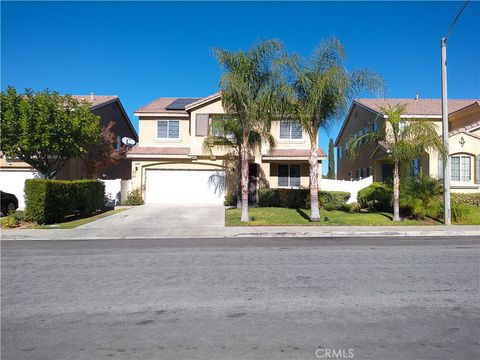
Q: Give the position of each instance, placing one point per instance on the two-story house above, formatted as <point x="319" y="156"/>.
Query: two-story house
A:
<point x="464" y="141"/>
<point x="170" y="163"/>
<point x="108" y="108"/>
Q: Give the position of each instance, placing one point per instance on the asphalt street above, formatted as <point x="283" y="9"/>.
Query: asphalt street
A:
<point x="260" y="298"/>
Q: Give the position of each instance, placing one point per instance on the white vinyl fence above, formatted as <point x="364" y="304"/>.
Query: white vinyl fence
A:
<point x="353" y="187"/>
<point x="116" y="191"/>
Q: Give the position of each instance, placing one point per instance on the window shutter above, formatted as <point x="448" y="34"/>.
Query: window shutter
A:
<point x="477" y="169"/>
<point x="201" y="125"/>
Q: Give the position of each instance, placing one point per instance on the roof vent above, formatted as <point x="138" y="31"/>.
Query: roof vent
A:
<point x="416" y="96"/>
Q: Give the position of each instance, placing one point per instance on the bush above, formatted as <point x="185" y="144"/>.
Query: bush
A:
<point x="49" y="201"/>
<point x="459" y="211"/>
<point x="333" y="200"/>
<point x="8" y="221"/>
<point x="300" y="198"/>
<point x="134" y="198"/>
<point x="377" y="196"/>
<point x="354" y="207"/>
<point x="230" y="199"/>
<point x="466" y="199"/>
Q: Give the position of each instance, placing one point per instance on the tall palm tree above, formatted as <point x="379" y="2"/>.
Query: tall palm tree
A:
<point x="404" y="139"/>
<point x="252" y="93"/>
<point x="322" y="88"/>
<point x="227" y="134"/>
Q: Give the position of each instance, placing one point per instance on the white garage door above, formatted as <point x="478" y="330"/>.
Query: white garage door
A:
<point x="13" y="182"/>
<point x="184" y="187"/>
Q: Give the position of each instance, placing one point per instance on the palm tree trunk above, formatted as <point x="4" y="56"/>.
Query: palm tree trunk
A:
<point x="245" y="217"/>
<point x="396" y="192"/>
<point x="314" y="208"/>
<point x="239" y="183"/>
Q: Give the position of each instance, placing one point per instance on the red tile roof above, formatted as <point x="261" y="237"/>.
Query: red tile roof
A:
<point x="95" y="100"/>
<point x="417" y="107"/>
<point x="203" y="100"/>
<point x="159" y="106"/>
<point x="158" y="150"/>
<point x="293" y="153"/>
<point x="466" y="128"/>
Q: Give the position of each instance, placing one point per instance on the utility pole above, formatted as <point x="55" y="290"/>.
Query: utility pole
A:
<point x="446" y="161"/>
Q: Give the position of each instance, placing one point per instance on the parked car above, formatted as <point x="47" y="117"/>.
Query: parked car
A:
<point x="9" y="202"/>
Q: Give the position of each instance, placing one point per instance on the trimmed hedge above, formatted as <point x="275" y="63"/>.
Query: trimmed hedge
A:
<point x="377" y="196"/>
<point x="49" y="201"/>
<point x="466" y="199"/>
<point x="300" y="198"/>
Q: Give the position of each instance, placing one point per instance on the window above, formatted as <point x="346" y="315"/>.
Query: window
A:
<point x="350" y="174"/>
<point x="339" y="153"/>
<point x="118" y="143"/>
<point x="461" y="168"/>
<point x="346" y="148"/>
<point x="168" y="129"/>
<point x="369" y="171"/>
<point x="374" y="127"/>
<point x="357" y="174"/>
<point x="290" y="130"/>
<point x="288" y="175"/>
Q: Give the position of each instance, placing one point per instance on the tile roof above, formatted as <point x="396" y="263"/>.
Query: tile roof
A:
<point x="159" y="106"/>
<point x="417" y="107"/>
<point x="466" y="128"/>
<point x="293" y="153"/>
<point x="97" y="99"/>
<point x="158" y="150"/>
<point x="203" y="100"/>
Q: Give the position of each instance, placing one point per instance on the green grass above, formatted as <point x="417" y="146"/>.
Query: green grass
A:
<point x="73" y="223"/>
<point x="283" y="216"/>
<point x="472" y="218"/>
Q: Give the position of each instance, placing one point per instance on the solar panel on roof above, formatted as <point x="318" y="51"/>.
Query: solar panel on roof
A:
<point x="179" y="104"/>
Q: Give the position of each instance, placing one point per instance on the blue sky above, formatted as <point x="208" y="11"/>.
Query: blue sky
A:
<point x="141" y="51"/>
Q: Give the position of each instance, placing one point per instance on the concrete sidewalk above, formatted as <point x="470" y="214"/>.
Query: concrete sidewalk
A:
<point x="239" y="232"/>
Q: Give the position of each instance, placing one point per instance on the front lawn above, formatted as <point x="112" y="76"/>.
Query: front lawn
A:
<point x="265" y="216"/>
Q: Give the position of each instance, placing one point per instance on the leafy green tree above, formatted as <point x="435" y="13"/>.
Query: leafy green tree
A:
<point x="331" y="160"/>
<point x="322" y="89"/>
<point x="45" y="129"/>
<point x="404" y="139"/>
<point x="253" y="93"/>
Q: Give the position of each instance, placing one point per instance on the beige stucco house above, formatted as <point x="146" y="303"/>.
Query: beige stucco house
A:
<point x="172" y="165"/>
<point x="464" y="141"/>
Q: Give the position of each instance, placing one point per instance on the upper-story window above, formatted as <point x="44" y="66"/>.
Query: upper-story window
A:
<point x="168" y="129"/>
<point x="339" y="153"/>
<point x="461" y="168"/>
<point x="217" y="125"/>
<point x="290" y="130"/>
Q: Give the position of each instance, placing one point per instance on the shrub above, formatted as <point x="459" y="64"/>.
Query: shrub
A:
<point x="9" y="221"/>
<point x="377" y="196"/>
<point x="300" y="198"/>
<point x="49" y="201"/>
<point x="333" y="200"/>
<point x="459" y="211"/>
<point x="230" y="199"/>
<point x="134" y="198"/>
<point x="466" y="199"/>
<point x="354" y="207"/>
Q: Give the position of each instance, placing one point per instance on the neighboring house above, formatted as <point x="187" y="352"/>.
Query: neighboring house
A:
<point x="109" y="108"/>
<point x="464" y="141"/>
<point x="170" y="164"/>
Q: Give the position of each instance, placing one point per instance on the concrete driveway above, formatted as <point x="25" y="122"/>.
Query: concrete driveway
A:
<point x="160" y="220"/>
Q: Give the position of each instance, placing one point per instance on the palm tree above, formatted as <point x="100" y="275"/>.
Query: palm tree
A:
<point x="322" y="88"/>
<point x="227" y="134"/>
<point x="404" y="139"/>
<point x="251" y="93"/>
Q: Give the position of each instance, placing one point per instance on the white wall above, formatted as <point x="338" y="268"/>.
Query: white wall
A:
<point x="13" y="182"/>
<point x="116" y="190"/>
<point x="353" y="187"/>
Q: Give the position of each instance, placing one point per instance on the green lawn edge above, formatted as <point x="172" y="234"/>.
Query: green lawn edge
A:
<point x="271" y="216"/>
<point x="76" y="223"/>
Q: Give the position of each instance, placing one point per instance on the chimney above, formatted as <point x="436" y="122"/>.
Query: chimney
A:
<point x="91" y="96"/>
<point x="416" y="96"/>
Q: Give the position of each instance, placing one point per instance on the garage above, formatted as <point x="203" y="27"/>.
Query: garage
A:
<point x="184" y="186"/>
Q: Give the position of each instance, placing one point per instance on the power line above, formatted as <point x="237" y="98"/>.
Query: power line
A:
<point x="455" y="20"/>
